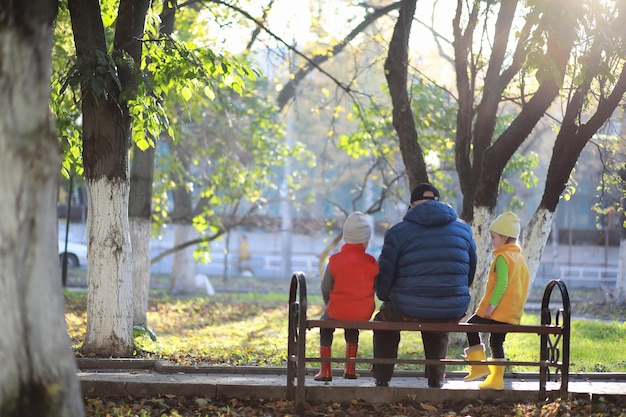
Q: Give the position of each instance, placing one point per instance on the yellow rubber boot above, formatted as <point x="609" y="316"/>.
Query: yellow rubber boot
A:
<point x="476" y="353"/>
<point x="495" y="380"/>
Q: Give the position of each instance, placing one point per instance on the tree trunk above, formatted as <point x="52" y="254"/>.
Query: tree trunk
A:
<point x="533" y="241"/>
<point x="475" y="127"/>
<point x="465" y="80"/>
<point x="621" y="270"/>
<point x="140" y="205"/>
<point x="480" y="228"/>
<point x="396" y="66"/>
<point x="571" y="140"/>
<point x="106" y="144"/>
<point x="140" y="243"/>
<point x="140" y="218"/>
<point x="489" y="163"/>
<point x="38" y="372"/>
<point x="184" y="265"/>
<point x="535" y="236"/>
<point x="110" y="309"/>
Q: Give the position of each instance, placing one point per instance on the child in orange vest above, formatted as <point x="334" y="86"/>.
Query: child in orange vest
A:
<point x="348" y="291"/>
<point x="504" y="299"/>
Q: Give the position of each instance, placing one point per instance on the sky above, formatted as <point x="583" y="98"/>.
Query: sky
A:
<point x="297" y="20"/>
<point x="292" y="21"/>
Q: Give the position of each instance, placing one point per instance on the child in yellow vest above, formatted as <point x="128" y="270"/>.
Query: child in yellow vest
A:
<point x="504" y="299"/>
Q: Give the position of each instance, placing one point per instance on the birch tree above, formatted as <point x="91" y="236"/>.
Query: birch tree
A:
<point x="32" y="324"/>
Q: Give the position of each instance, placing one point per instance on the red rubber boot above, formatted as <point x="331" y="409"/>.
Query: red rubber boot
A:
<point x="350" y="369"/>
<point x="325" y="373"/>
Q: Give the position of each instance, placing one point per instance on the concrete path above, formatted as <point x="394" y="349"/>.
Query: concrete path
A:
<point x="120" y="377"/>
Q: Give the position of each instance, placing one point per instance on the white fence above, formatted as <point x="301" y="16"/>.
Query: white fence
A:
<point x="304" y="263"/>
<point x="591" y="274"/>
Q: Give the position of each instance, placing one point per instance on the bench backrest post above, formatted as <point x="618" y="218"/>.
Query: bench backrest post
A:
<point x="298" y="326"/>
<point x="563" y="318"/>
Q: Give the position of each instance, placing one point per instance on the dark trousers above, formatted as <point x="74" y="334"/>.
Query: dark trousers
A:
<point x="386" y="345"/>
<point x="496" y="340"/>
<point x="326" y="335"/>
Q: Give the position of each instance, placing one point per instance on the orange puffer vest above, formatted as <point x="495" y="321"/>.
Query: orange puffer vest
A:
<point x="511" y="306"/>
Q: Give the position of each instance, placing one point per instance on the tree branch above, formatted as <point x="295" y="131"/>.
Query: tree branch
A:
<point x="315" y="62"/>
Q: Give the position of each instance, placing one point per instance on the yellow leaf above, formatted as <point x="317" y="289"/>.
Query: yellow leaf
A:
<point x="186" y="93"/>
<point x="143" y="144"/>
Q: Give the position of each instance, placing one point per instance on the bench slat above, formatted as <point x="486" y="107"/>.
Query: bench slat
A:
<point x="447" y="361"/>
<point x="440" y="327"/>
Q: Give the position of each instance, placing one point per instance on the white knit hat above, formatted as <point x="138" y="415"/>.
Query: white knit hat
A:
<point x="506" y="224"/>
<point x="356" y="229"/>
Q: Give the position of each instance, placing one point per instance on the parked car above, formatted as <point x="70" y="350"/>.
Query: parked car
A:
<point x="76" y="254"/>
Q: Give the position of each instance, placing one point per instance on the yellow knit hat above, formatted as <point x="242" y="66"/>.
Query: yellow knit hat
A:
<point x="506" y="224"/>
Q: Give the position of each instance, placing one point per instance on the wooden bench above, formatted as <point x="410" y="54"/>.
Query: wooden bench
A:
<point x="554" y="340"/>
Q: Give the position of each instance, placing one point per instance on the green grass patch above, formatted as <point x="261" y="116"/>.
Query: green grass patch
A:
<point x="251" y="329"/>
<point x="594" y="347"/>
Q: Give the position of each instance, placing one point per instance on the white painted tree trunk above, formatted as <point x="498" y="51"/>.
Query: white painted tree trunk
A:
<point x="37" y="365"/>
<point x="534" y="239"/>
<point x="109" y="307"/>
<point x="184" y="265"/>
<point x="140" y="242"/>
<point x="480" y="227"/>
<point x="621" y="273"/>
<point x="535" y="236"/>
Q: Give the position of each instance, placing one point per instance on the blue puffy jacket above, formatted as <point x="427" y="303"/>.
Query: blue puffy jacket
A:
<point x="427" y="263"/>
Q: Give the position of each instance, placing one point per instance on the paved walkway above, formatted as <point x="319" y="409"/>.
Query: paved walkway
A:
<point x="122" y="377"/>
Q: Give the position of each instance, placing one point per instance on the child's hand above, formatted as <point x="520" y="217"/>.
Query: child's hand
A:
<point x="489" y="311"/>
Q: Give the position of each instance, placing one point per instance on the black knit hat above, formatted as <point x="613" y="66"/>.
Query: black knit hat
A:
<point x="418" y="192"/>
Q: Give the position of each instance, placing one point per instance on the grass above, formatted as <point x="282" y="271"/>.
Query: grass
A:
<point x="251" y="329"/>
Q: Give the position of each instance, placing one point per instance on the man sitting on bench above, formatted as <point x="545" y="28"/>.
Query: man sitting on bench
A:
<point x="427" y="264"/>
